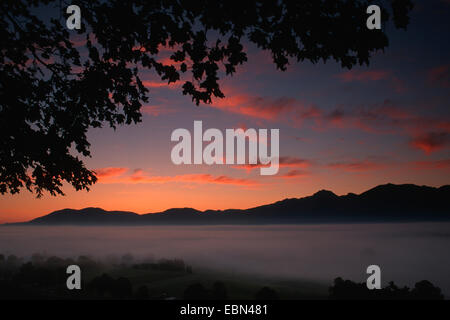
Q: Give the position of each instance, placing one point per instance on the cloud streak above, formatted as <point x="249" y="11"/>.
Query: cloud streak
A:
<point x="161" y="84"/>
<point x="284" y="162"/>
<point x="109" y="172"/>
<point x="430" y="141"/>
<point x="356" y="166"/>
<point x="293" y="174"/>
<point x="255" y="106"/>
<point x="118" y="175"/>
<point x="386" y="117"/>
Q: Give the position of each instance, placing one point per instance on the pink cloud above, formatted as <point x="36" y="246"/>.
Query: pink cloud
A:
<point x="155" y="110"/>
<point x="292" y="174"/>
<point x="169" y="62"/>
<point x="430" y="141"/>
<point x="110" y="172"/>
<point x="255" y="106"/>
<point x="159" y="84"/>
<point x="381" y="118"/>
<point x="385" y="118"/>
<point x="115" y="175"/>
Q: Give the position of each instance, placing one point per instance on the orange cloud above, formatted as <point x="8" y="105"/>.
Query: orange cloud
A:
<point x="430" y="141"/>
<point x="169" y="62"/>
<point x="381" y="118"/>
<point x="293" y="174"/>
<point x="159" y="84"/>
<point x="115" y="175"/>
<point x="255" y="106"/>
<point x="297" y="113"/>
<point x="109" y="172"/>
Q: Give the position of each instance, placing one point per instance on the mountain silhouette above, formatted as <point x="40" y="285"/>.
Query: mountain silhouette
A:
<point x="384" y="203"/>
<point x="86" y="215"/>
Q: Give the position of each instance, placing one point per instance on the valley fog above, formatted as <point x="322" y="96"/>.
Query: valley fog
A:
<point x="406" y="253"/>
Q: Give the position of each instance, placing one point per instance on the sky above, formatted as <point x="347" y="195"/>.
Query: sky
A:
<point x="340" y="130"/>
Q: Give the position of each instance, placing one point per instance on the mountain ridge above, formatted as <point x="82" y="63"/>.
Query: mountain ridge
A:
<point x="388" y="202"/>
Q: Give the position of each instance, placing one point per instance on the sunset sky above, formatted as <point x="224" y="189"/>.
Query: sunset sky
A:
<point x="345" y="131"/>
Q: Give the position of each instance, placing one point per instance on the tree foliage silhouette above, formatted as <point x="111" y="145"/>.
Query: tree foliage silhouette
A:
<point x="52" y="90"/>
<point x="349" y="290"/>
<point x="266" y="293"/>
<point x="195" y="291"/>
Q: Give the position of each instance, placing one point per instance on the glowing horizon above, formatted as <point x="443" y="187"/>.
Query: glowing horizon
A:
<point x="340" y="130"/>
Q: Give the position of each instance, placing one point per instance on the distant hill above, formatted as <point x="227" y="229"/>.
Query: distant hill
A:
<point x="86" y="216"/>
<point x="384" y="203"/>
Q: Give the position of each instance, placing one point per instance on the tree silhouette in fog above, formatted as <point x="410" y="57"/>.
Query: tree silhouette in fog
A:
<point x="219" y="291"/>
<point x="142" y="293"/>
<point x="105" y="286"/>
<point x="266" y="293"/>
<point x="349" y="290"/>
<point x="44" y="277"/>
<point x="425" y="290"/>
<point x="55" y="84"/>
<point x="195" y="291"/>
